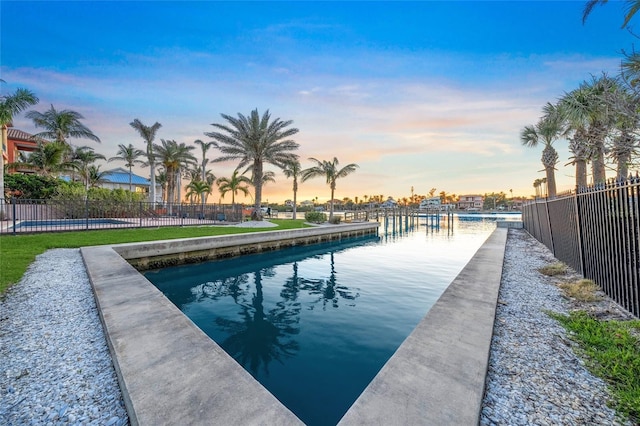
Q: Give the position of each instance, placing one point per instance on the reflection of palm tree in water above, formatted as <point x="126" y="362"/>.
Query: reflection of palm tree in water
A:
<point x="328" y="289"/>
<point x="261" y="337"/>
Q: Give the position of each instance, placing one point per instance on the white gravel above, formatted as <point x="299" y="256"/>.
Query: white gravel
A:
<point x="55" y="368"/>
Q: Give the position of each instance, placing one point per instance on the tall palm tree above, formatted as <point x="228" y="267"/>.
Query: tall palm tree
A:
<point x="624" y="106"/>
<point x="204" y="147"/>
<point x="61" y="125"/>
<point x="588" y="113"/>
<point x="148" y="133"/>
<point x="572" y="107"/>
<point x="255" y="140"/>
<point x="236" y="183"/>
<point x="10" y="106"/>
<point x="173" y="157"/>
<point x="129" y="154"/>
<point x="545" y="132"/>
<point x="291" y="169"/>
<point x="331" y="172"/>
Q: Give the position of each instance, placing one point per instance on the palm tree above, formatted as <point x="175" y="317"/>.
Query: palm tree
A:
<point x="161" y="179"/>
<point x="576" y="134"/>
<point x="196" y="189"/>
<point x="546" y="131"/>
<point x="236" y="183"/>
<point x="94" y="176"/>
<point x="328" y="169"/>
<point x="128" y="154"/>
<point x="148" y="133"/>
<point x="10" y="106"/>
<point x="48" y="159"/>
<point x="61" y="125"/>
<point x="173" y="157"/>
<point x="291" y="169"/>
<point x="624" y="106"/>
<point x="204" y="146"/>
<point x="588" y="114"/>
<point x="255" y="140"/>
<point x="632" y="6"/>
<point x="82" y="158"/>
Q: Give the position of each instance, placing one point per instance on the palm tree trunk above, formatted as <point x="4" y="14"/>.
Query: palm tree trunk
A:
<point x="581" y="174"/>
<point x="333" y="188"/>
<point x="551" y="182"/>
<point x="257" y="184"/>
<point x="597" y="165"/>
<point x="295" y="194"/>
<point x="4" y="144"/>
<point x="623" y="160"/>
<point x="130" y="179"/>
<point x="152" y="190"/>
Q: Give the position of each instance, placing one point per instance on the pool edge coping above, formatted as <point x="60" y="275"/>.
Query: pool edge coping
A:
<point x="129" y="305"/>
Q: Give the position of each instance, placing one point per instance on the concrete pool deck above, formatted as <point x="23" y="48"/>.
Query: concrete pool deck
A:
<point x="170" y="372"/>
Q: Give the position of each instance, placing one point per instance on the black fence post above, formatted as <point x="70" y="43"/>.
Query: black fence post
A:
<point x="13" y="214"/>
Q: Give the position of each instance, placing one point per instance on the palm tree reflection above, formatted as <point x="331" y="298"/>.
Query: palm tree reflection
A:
<point x="263" y="335"/>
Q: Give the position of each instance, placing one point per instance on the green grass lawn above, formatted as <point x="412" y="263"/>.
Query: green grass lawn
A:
<point x="19" y="251"/>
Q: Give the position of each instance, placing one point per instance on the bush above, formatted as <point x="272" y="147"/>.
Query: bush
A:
<point x="32" y="187"/>
<point x="77" y="202"/>
<point x="315" y="217"/>
<point x="335" y="220"/>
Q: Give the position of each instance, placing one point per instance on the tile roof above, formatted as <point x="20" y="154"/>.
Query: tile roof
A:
<point x="17" y="134"/>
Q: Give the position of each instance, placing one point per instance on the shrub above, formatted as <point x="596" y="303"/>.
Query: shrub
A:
<point x="32" y="187"/>
<point x="554" y="269"/>
<point x="335" y="220"/>
<point x="315" y="217"/>
<point x="581" y="290"/>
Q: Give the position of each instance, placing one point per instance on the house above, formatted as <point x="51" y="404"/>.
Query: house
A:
<point x="430" y="203"/>
<point x="470" y="202"/>
<point x="17" y="142"/>
<point x="389" y="204"/>
<point x="306" y="203"/>
<point x="119" y="179"/>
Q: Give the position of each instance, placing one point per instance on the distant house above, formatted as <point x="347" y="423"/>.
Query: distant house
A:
<point x="471" y="201"/>
<point x="427" y="203"/>
<point x="389" y="204"/>
<point x="306" y="203"/>
<point x="119" y="179"/>
<point x="288" y="203"/>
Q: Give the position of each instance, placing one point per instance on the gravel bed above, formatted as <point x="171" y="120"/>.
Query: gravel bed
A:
<point x="55" y="367"/>
<point x="534" y="376"/>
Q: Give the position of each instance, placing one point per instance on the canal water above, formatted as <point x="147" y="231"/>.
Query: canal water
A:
<point x="314" y="324"/>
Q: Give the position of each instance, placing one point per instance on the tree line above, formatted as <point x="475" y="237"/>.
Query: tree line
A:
<point x="253" y="141"/>
<point x="600" y="119"/>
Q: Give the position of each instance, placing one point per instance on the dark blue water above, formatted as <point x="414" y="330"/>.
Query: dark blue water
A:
<point x="315" y="324"/>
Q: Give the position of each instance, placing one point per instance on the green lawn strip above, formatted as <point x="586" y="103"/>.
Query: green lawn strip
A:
<point x="19" y="251"/>
<point x="612" y="353"/>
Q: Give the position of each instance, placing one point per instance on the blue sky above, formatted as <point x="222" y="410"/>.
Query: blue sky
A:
<point x="418" y="94"/>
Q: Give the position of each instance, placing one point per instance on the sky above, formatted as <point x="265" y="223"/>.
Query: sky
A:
<point x="420" y="94"/>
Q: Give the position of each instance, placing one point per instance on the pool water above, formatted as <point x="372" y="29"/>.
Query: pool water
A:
<point x="315" y="324"/>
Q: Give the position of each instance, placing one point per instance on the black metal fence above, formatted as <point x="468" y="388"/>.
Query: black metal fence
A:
<point x="595" y="231"/>
<point x="25" y="216"/>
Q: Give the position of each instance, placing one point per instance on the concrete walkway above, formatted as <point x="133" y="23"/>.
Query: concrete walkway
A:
<point x="170" y="372"/>
<point x="437" y="375"/>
